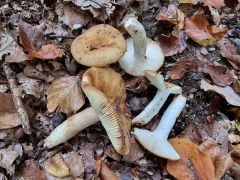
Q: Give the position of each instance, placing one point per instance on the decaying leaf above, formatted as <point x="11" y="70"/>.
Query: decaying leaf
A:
<point x="9" y="117"/>
<point x="173" y="44"/>
<point x="226" y="92"/>
<point x="214" y="3"/>
<point x="231" y="52"/>
<point x="9" y="46"/>
<point x="137" y="84"/>
<point x="32" y="171"/>
<point x="193" y="163"/>
<point x="34" y="42"/>
<point x="219" y="75"/>
<point x="104" y="173"/>
<point x="29" y="85"/>
<point x="71" y="15"/>
<point x="210" y="148"/>
<point x="65" y="95"/>
<point x="222" y="164"/>
<point x="200" y="31"/>
<point x="8" y="156"/>
<point x="182" y="66"/>
<point x="56" y="166"/>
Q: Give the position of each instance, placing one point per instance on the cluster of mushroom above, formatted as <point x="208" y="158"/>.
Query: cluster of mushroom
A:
<point x="100" y="46"/>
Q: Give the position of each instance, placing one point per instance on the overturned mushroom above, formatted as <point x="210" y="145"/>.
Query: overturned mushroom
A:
<point x="142" y="53"/>
<point x="156" y="142"/>
<point x="164" y="90"/>
<point x="105" y="90"/>
<point x="100" y="45"/>
<point x="71" y="127"/>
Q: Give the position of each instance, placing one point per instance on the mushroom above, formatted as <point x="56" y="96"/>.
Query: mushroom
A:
<point x="106" y="93"/>
<point x="164" y="90"/>
<point x="100" y="45"/>
<point x="142" y="53"/>
<point x="71" y="127"/>
<point x="156" y="141"/>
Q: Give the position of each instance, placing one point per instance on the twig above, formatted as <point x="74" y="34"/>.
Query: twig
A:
<point x="17" y="99"/>
<point x="59" y="36"/>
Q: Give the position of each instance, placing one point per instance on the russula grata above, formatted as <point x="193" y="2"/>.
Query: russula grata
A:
<point x="71" y="127"/>
<point x="142" y="53"/>
<point x="156" y="142"/>
<point x="100" y="45"/>
<point x="106" y="93"/>
<point x="164" y="90"/>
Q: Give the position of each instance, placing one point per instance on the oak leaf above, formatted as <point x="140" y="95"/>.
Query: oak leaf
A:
<point x="32" y="171"/>
<point x="104" y="172"/>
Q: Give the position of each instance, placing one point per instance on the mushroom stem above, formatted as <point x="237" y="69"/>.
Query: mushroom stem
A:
<point x="160" y="98"/>
<point x="71" y="127"/>
<point x="156" y="141"/>
<point x="138" y="34"/>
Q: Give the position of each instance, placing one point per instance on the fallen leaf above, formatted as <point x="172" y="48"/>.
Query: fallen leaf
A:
<point x="7" y="43"/>
<point x="137" y="84"/>
<point x="173" y="44"/>
<point x="72" y="16"/>
<point x="56" y="166"/>
<point x="214" y="3"/>
<point x="219" y="75"/>
<point x="9" y="117"/>
<point x="32" y="171"/>
<point x="193" y="163"/>
<point x="199" y="30"/>
<point x="136" y="152"/>
<point x="226" y="92"/>
<point x="2" y="177"/>
<point x="104" y="173"/>
<point x="215" y="15"/>
<point x="168" y="14"/>
<point x="222" y="164"/>
<point x="8" y="156"/>
<point x="16" y="56"/>
<point x="49" y="51"/>
<point x="231" y="52"/>
<point x="34" y="42"/>
<point x="29" y="85"/>
<point x="65" y="95"/>
<point x="182" y="66"/>
<point x="210" y="148"/>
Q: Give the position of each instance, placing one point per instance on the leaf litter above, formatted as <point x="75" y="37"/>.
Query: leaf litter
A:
<point x="186" y="31"/>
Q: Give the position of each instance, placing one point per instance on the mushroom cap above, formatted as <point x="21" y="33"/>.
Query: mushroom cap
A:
<point x="100" y="45"/>
<point x="156" y="145"/>
<point x="153" y="59"/>
<point x="106" y="93"/>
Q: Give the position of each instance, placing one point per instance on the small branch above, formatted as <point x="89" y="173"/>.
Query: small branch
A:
<point x="59" y="36"/>
<point x="17" y="98"/>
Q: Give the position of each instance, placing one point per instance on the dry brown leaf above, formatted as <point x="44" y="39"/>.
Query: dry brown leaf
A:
<point x="222" y="164"/>
<point x="182" y="66"/>
<point x="65" y="95"/>
<point x="9" y="117"/>
<point x="56" y="166"/>
<point x="8" y="156"/>
<point x="226" y="92"/>
<point x="231" y="52"/>
<point x="32" y="171"/>
<point x="210" y="148"/>
<point x="193" y="163"/>
<point x="219" y="75"/>
<point x="34" y="42"/>
<point x="173" y="44"/>
<point x="137" y="84"/>
<point x="214" y="3"/>
<point x="199" y="30"/>
<point x="71" y="15"/>
<point x="104" y="173"/>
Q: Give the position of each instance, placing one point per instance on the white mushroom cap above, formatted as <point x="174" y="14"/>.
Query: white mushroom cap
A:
<point x="142" y="53"/>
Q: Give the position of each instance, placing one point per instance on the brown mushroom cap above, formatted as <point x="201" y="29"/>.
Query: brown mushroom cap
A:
<point x="105" y="90"/>
<point x="100" y="45"/>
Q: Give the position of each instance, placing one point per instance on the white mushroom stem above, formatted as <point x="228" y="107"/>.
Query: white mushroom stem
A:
<point x="156" y="141"/>
<point x="138" y="34"/>
<point x="71" y="127"/>
<point x="160" y="98"/>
